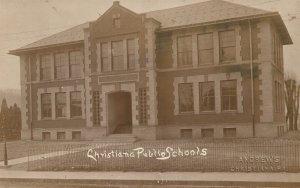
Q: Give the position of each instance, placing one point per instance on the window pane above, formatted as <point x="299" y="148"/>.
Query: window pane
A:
<point x="228" y="54"/>
<point x="61" y="62"/>
<point x="184" y="44"/>
<point x="207" y="96"/>
<point x="117" y="22"/>
<point x="229" y="96"/>
<point x="227" y="46"/>
<point x="184" y="50"/>
<point x="205" y="48"/>
<point x="227" y="38"/>
<point x="117" y="48"/>
<point x="45" y="67"/>
<point x="60" y="104"/>
<point x="206" y="56"/>
<point x="76" y="103"/>
<point x="46" y="105"/>
<point x="186" y="101"/>
<point x="105" y="64"/>
<point x="117" y="55"/>
<point x="118" y="63"/>
<point x="76" y="60"/>
<point x="131" y="61"/>
<point x="131" y="54"/>
<point x="185" y="58"/>
<point x="104" y="57"/>
<point x="205" y="41"/>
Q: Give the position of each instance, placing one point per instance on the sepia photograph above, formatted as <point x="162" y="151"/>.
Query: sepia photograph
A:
<point x="149" y="93"/>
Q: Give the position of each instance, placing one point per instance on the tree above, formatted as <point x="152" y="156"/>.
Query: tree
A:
<point x="4" y="117"/>
<point x="10" y="121"/>
<point x="292" y="96"/>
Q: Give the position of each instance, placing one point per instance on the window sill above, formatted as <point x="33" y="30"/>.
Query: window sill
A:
<point x="205" y="64"/>
<point x="185" y="113"/>
<point x="207" y="112"/>
<point x="56" y="80"/>
<point x="61" y="118"/>
<point x="45" y="119"/>
<point x="185" y="66"/>
<point x="76" y="117"/>
<point x="227" y="62"/>
<point x="229" y="112"/>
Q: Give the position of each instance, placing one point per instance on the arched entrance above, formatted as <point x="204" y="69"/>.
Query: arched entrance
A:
<point x="119" y="113"/>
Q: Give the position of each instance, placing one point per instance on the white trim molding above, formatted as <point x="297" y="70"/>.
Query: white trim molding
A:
<point x="53" y="91"/>
<point x="106" y="89"/>
<point x="216" y="78"/>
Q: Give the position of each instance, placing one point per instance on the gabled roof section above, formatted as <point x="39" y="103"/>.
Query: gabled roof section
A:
<point x="208" y="11"/>
<point x="74" y="34"/>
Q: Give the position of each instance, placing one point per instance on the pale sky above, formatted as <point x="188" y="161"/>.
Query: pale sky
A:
<point x="25" y="21"/>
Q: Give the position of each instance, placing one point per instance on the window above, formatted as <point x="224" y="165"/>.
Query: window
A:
<point x="207" y="96"/>
<point x="227" y="46"/>
<point x="278" y="96"/>
<point x="131" y="53"/>
<point x="76" y="60"/>
<point x="76" y="135"/>
<point x="186" y="133"/>
<point x="46" y="135"/>
<point x="61" y="63"/>
<point x="207" y="133"/>
<point x="75" y="105"/>
<point x="186" y="102"/>
<point x="205" y="49"/>
<point x="229" y="132"/>
<point x="61" y="135"/>
<point x="46" y="105"/>
<point x="45" y="67"/>
<point x="117" y="55"/>
<point x="184" y="51"/>
<point x="277" y="51"/>
<point x="117" y="22"/>
<point x="104" y="57"/>
<point x="60" y="105"/>
<point x="228" y="95"/>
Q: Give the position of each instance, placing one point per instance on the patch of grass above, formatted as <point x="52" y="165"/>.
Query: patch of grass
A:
<point x="222" y="155"/>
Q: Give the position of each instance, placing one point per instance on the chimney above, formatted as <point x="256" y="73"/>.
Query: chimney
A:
<point x="116" y="3"/>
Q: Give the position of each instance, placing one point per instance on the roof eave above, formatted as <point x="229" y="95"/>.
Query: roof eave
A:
<point x="287" y="38"/>
<point x="18" y="52"/>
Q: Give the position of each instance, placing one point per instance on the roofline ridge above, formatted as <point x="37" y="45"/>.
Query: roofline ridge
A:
<point x="207" y="1"/>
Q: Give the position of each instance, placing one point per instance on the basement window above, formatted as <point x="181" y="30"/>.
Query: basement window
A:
<point x="61" y="135"/>
<point x="207" y="133"/>
<point x="76" y="135"/>
<point x="46" y="135"/>
<point x="186" y="133"/>
<point x="229" y="132"/>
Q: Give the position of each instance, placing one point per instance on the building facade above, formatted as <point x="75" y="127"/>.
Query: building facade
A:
<point x="211" y="69"/>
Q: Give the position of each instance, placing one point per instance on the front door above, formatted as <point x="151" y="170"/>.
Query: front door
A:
<point x="119" y="113"/>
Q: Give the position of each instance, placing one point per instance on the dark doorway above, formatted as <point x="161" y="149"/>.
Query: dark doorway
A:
<point x="119" y="113"/>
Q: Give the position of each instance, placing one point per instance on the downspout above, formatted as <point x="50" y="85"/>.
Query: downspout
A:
<point x="252" y="81"/>
<point x="30" y="96"/>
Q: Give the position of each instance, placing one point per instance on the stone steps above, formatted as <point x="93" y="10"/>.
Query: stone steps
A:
<point x="123" y="129"/>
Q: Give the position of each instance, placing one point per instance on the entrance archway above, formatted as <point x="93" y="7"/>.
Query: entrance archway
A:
<point x="119" y="113"/>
